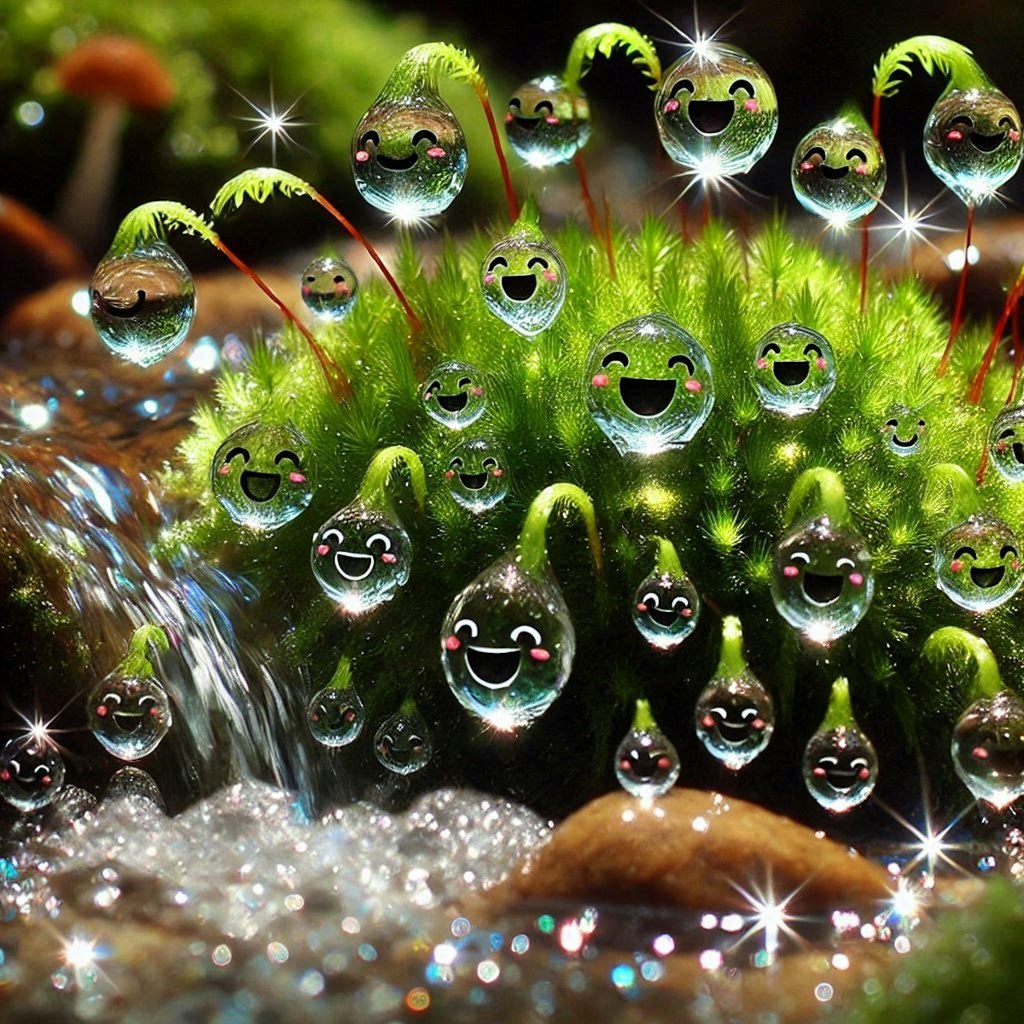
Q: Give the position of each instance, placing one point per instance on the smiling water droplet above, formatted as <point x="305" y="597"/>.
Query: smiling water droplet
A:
<point x="794" y="369"/>
<point x="988" y="749"/>
<point x="524" y="282"/>
<point x="1006" y="443"/>
<point x="476" y="474"/>
<point x="31" y="773"/>
<point x="840" y="768"/>
<point x="403" y="743"/>
<point x="329" y="288"/>
<point x="905" y="431"/>
<point x="545" y="123"/>
<point x="335" y="715"/>
<point x="454" y="394"/>
<point x="129" y="715"/>
<point x="666" y="610"/>
<point x="142" y="302"/>
<point x="646" y="763"/>
<point x="977" y="563"/>
<point x="734" y="719"/>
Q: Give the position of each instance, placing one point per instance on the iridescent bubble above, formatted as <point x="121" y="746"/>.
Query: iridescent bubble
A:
<point x="840" y="768"/>
<point x="794" y="369"/>
<point x="822" y="583"/>
<point x="646" y="763"/>
<point x="335" y="715"/>
<point x="454" y="394"/>
<point x="546" y="124"/>
<point x="1006" y="443"/>
<point x="666" y="610"/>
<point x="403" y="744"/>
<point x="31" y="773"/>
<point x="329" y="288"/>
<point x="977" y="564"/>
<point x="734" y="718"/>
<point x="988" y="749"/>
<point x="361" y="556"/>
<point x="716" y="111"/>
<point x="143" y="302"/>
<point x="524" y="283"/>
<point x="264" y="475"/>
<point x="972" y="141"/>
<point x="476" y="475"/>
<point x="905" y="431"/>
<point x="667" y="393"/>
<point x="129" y="715"/>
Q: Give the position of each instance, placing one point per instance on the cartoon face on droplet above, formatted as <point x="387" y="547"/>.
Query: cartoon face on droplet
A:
<point x="31" y="773"/>
<point x="143" y="302"/>
<point x="988" y="749"/>
<point x="361" y="556"/>
<point x="734" y="718"/>
<point x="972" y="141"/>
<point x="905" y="431"/>
<point x="507" y="645"/>
<point x="545" y="123"/>
<point x="649" y="385"/>
<point x="402" y="744"/>
<point x="524" y="284"/>
<point x="329" y="288"/>
<point x="977" y="564"/>
<point x="716" y="111"/>
<point x="476" y="475"/>
<point x="129" y="715"/>
<point x="794" y="369"/>
<point x="454" y="394"/>
<point x="1006" y="443"/>
<point x="409" y="157"/>
<point x="264" y="475"/>
<point x="822" y="583"/>
<point x="666" y="610"/>
<point x="646" y="764"/>
<point x="840" y="768"/>
<point x="335" y="716"/>
<point x="838" y="171"/>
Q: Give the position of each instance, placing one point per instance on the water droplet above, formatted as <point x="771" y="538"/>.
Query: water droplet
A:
<point x="329" y="288"/>
<point x="734" y="718"/>
<point x="1006" y="443"/>
<point x="977" y="564"/>
<point x="131" y="783"/>
<point x="666" y="610"/>
<point x="988" y="749"/>
<point x="524" y="283"/>
<point x="822" y="583"/>
<point x="972" y="141"/>
<point x="143" y="302"/>
<point x="454" y="394"/>
<point x="716" y="111"/>
<point x="794" y="369"/>
<point x="477" y="474"/>
<point x="129" y="715"/>
<point x="31" y="773"/>
<point x="646" y="763"/>
<point x="403" y="744"/>
<point x="335" y="716"/>
<point x="649" y="385"/>
<point x="361" y="556"/>
<point x="264" y="475"/>
<point x="507" y="644"/>
<point x="840" y="768"/>
<point x="838" y="171"/>
<point x="905" y="431"/>
<point x="546" y="124"/>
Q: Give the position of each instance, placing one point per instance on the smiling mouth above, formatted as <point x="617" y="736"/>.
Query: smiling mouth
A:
<point x="791" y="372"/>
<point x="665" y="617"/>
<point x="473" y="481"/>
<point x="453" y="403"/>
<point x="519" y="287"/>
<point x="123" y="312"/>
<point x="833" y="173"/>
<point x="529" y="124"/>
<point x="904" y="444"/>
<point x="988" y="577"/>
<point x="646" y="396"/>
<point x="493" y="667"/>
<point x="822" y="588"/>
<point x="390" y="163"/>
<point x="259" y="487"/>
<point x="352" y="565"/>
<point x="986" y="143"/>
<point x="127" y="721"/>
<point x="842" y="779"/>
<point x="710" y="117"/>
<point x="733" y="732"/>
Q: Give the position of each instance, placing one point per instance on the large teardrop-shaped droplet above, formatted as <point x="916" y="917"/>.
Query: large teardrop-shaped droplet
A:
<point x="978" y="564"/>
<point x="402" y="743"/>
<point x="31" y="773"/>
<point x="840" y="768"/>
<point x="524" y="283"/>
<point x="335" y="715"/>
<point x="734" y="718"/>
<point x="988" y="749"/>
<point x="129" y="715"/>
<point x="329" y="288"/>
<point x="546" y="124"/>
<point x="646" y="763"/>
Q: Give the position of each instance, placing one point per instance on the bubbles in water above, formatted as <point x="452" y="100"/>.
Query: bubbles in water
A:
<point x="454" y="394"/>
<point x="838" y="171"/>
<point x="840" y="768"/>
<point x="361" y="556"/>
<point x="264" y="475"/>
<point x="31" y="773"/>
<point x="734" y="719"/>
<point x="524" y="283"/>
<point x="129" y="715"/>
<point x="335" y="715"/>
<point x="794" y="369"/>
<point x="131" y="783"/>
<point x="329" y="288"/>
<point x="905" y="431"/>
<point x="507" y="644"/>
<point x="821" y="579"/>
<point x="649" y="385"/>
<point x="143" y="302"/>
<point x="546" y="124"/>
<point x="988" y="749"/>
<point x="972" y="141"/>
<point x="402" y="743"/>
<point x="716" y="111"/>
<point x="666" y="610"/>
<point x="977" y="564"/>
<point x="1006" y="443"/>
<point x="476" y="474"/>
<point x="646" y="763"/>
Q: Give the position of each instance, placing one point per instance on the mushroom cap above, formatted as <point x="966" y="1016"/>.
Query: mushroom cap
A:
<point x="116" y="68"/>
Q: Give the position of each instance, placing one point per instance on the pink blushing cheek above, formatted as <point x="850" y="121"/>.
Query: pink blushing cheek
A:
<point x="224" y="470"/>
<point x="955" y="136"/>
<point x="452" y="643"/>
<point x="686" y="613"/>
<point x="508" y="117"/>
<point x="822" y="362"/>
<point x="671" y="107"/>
<point x="449" y="474"/>
<point x="550" y="275"/>
<point x="362" y="156"/>
<point x="751" y="105"/>
<point x="539" y="654"/>
<point x="856" y="579"/>
<point x="693" y="385"/>
<point x="956" y="566"/>
<point x="1015" y="565"/>
<point x="101" y="710"/>
<point x="762" y="364"/>
<point x="296" y="478"/>
<point x="306" y="290"/>
<point x="476" y="392"/>
<point x="497" y="473"/>
<point x="551" y="120"/>
<point x="489" y="279"/>
<point x="435" y="151"/>
<point x="790" y="572"/>
<point x="1014" y="135"/>
<point x="322" y="549"/>
<point x="342" y="290"/>
<point x="388" y="559"/>
<point x="819" y="772"/>
<point x="599" y="380"/>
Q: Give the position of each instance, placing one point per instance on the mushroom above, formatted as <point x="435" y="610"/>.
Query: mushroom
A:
<point x="114" y="73"/>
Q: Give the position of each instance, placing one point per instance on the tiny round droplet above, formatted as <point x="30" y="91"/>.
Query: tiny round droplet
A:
<point x="646" y="763"/>
<point x="840" y="768"/>
<point x="794" y="369"/>
<point x="454" y="394"/>
<point x="546" y="124"/>
<point x="988" y="749"/>
<point x="734" y="718"/>
<point x="904" y="431"/>
<point x="129" y="715"/>
<point x="329" y="288"/>
<point x="335" y="716"/>
<point x="31" y="773"/>
<point x="977" y="563"/>
<point x="1006" y="443"/>
<point x="666" y="610"/>
<point x="402" y="744"/>
<point x="475" y="474"/>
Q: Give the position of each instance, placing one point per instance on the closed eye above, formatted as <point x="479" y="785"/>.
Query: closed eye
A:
<point x="680" y="602"/>
<point x="615" y="357"/>
<point x="490" y="463"/>
<point x="892" y="423"/>
<point x="464" y="382"/>
<point x="748" y="713"/>
<point x="498" y="261"/>
<point x="382" y="538"/>
<point x="424" y="135"/>
<point x="287" y="453"/>
<point x="964" y="120"/>
<point x="244" y="452"/>
<point x="815" y="151"/>
<point x="537" y="261"/>
<point x="857" y="152"/>
<point x="651" y="599"/>
<point x="683" y="85"/>
<point x="741" y="83"/>
<point x="146" y="699"/>
<point x="681" y="361"/>
<point x="369" y="137"/>
<point x="846" y="563"/>
<point x="528" y="631"/>
<point x="965" y="551"/>
<point x="111" y="698"/>
<point x="455" y="464"/>
<point x="516" y="102"/>
<point x="831" y="761"/>
<point x="544" y="105"/>
<point x="434" y="385"/>
<point x="808" y="349"/>
<point x="336" y="535"/>
<point x="859" y="762"/>
<point x="41" y="768"/>
<point x="769" y="349"/>
<point x="800" y="556"/>
<point x="1007" y="433"/>
<point x="469" y="625"/>
<point x="1008" y="549"/>
<point x="1007" y="122"/>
